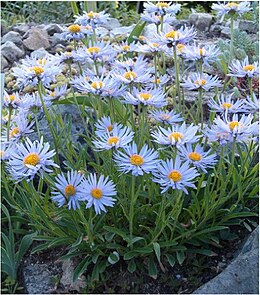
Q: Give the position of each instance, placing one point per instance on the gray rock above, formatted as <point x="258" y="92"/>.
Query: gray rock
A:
<point x="248" y="26"/>
<point x="192" y="96"/>
<point x="112" y="24"/>
<point x="37" y="279"/>
<point x="57" y="39"/>
<point x="39" y="53"/>
<point x="11" y="52"/>
<point x="21" y="29"/>
<point x="4" y="63"/>
<point x="13" y="37"/>
<point x="122" y="30"/>
<point x="241" y="276"/>
<point x="37" y="39"/>
<point x="67" y="277"/>
<point x="51" y="29"/>
<point x="225" y="32"/>
<point x="202" y="21"/>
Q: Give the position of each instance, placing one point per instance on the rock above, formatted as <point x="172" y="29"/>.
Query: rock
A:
<point x="11" y="52"/>
<point x="13" y="37"/>
<point x="248" y="26"/>
<point x="57" y="39"/>
<point x="178" y="23"/>
<point x="37" y="279"/>
<point x="4" y="63"/>
<point x="241" y="276"/>
<point x="67" y="277"/>
<point x="192" y="96"/>
<point x="202" y="21"/>
<point x="21" y="29"/>
<point x="122" y="30"/>
<point x="39" y="53"/>
<point x="225" y="32"/>
<point x="112" y="23"/>
<point x="51" y="29"/>
<point x="37" y="39"/>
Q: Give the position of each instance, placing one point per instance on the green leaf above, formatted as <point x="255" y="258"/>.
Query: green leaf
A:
<point x="131" y="266"/>
<point x="113" y="258"/>
<point x="152" y="269"/>
<point x="109" y="236"/>
<point x="171" y="259"/>
<point x="206" y="252"/>
<point x="180" y="256"/>
<point x="157" y="251"/>
<point x="74" y="7"/>
<point x="134" y="240"/>
<point x="130" y="255"/>
<point x="136" y="32"/>
<point x="24" y="246"/>
<point x="81" y="267"/>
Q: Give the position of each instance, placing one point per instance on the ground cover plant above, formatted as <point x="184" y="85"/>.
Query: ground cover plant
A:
<point x="151" y="178"/>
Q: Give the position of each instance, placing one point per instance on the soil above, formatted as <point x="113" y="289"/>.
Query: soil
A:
<point x="185" y="279"/>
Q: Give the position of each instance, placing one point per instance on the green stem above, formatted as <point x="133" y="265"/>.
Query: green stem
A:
<point x="155" y="69"/>
<point x="10" y="109"/>
<point x="250" y="82"/>
<point x="177" y="79"/>
<point x="231" y="37"/>
<point x="132" y="204"/>
<point x="201" y="106"/>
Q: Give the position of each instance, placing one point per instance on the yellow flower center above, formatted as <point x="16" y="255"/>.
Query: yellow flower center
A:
<point x="74" y="28"/>
<point x="175" y="175"/>
<point x="70" y="190"/>
<point x="162" y="5"/>
<point x="110" y="128"/>
<point x="165" y="117"/>
<point x="195" y="156"/>
<point x="93" y="50"/>
<point x="52" y="94"/>
<point x="96" y="193"/>
<point x="11" y="97"/>
<point x="248" y="68"/>
<point x="113" y="140"/>
<point x="226" y="105"/>
<point x="97" y="84"/>
<point x="200" y="82"/>
<point x="31" y="159"/>
<point x="173" y="35"/>
<point x="145" y="96"/>
<point x="142" y="38"/>
<point x="42" y="61"/>
<point x="232" y="5"/>
<point x="201" y="50"/>
<point x="156" y="81"/>
<point x="180" y="47"/>
<point x="136" y="160"/>
<point x="37" y="70"/>
<point x="92" y="14"/>
<point x="155" y="44"/>
<point x="1" y="154"/>
<point x="126" y="47"/>
<point x="68" y="53"/>
<point x="130" y="75"/>
<point x="175" y="135"/>
<point x="14" y="131"/>
<point x="234" y="124"/>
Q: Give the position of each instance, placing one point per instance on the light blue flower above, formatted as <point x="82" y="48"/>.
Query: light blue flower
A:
<point x="225" y="104"/>
<point x="57" y="92"/>
<point x="166" y="117"/>
<point x="198" y="157"/>
<point x="148" y="47"/>
<point x="99" y="192"/>
<point x="252" y="104"/>
<point x="20" y="127"/>
<point x="162" y="8"/>
<point x="93" y="19"/>
<point x="137" y="162"/>
<point x="76" y="32"/>
<point x="131" y="64"/>
<point x="207" y="53"/>
<point x="118" y="137"/>
<point x="175" y="175"/>
<point x="12" y="100"/>
<point x="244" y="68"/>
<point x="231" y="7"/>
<point x="69" y="190"/>
<point x="6" y="150"/>
<point x="174" y="37"/>
<point x="204" y="81"/>
<point x="154" y="97"/>
<point x="29" y="158"/>
<point x="104" y="126"/>
<point x="176" y="135"/>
